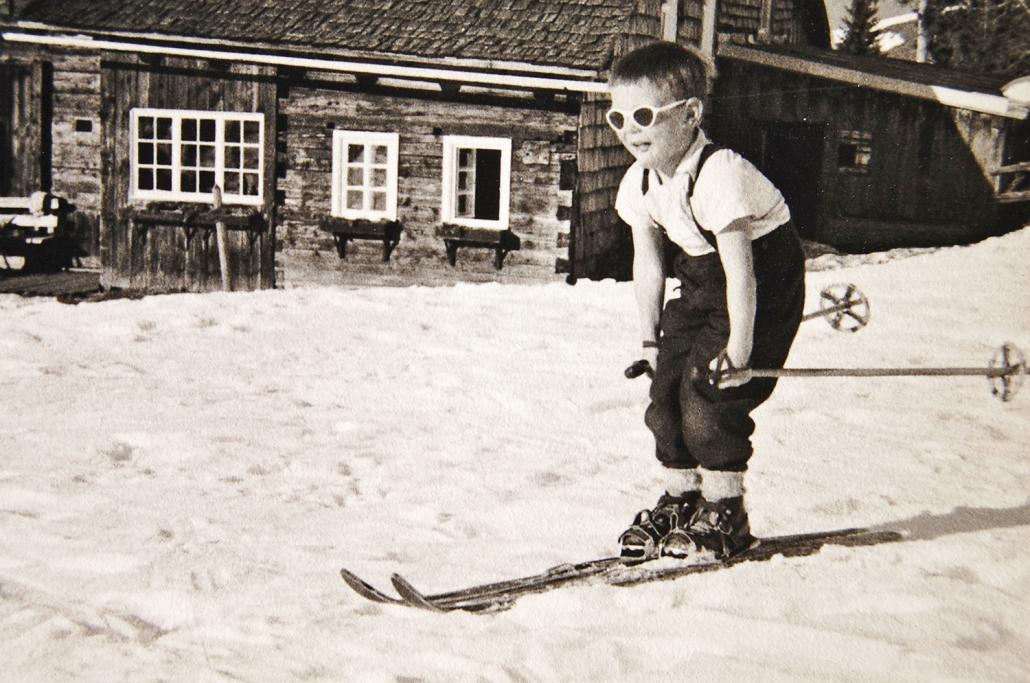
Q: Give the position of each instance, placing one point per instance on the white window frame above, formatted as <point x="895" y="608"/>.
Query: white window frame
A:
<point x="342" y="139"/>
<point x="176" y="193"/>
<point x="448" y="200"/>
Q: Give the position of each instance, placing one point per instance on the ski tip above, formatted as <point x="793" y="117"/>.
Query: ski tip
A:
<point x="367" y="590"/>
<point x="412" y="595"/>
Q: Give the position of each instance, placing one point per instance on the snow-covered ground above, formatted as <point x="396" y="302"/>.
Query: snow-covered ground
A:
<point x="183" y="476"/>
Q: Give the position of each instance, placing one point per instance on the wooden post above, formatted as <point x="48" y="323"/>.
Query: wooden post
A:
<point x="922" y="35"/>
<point x="670" y="20"/>
<point x="223" y="241"/>
<point x="765" y="22"/>
<point x="709" y="11"/>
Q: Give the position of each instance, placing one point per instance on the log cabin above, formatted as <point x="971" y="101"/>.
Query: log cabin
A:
<point x="249" y="144"/>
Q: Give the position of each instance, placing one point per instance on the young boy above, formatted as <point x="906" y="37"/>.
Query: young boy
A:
<point x="741" y="273"/>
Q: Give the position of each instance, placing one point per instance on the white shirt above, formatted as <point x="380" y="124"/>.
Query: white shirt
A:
<point x="730" y="188"/>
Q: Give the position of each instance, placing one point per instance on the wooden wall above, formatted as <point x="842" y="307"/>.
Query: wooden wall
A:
<point x="689" y="30"/>
<point x="795" y="22"/>
<point x="543" y="135"/>
<point x="57" y="144"/>
<point x="602" y="246"/>
<point x="745" y="16"/>
<point x="927" y="180"/>
<point x="163" y="258"/>
<point x="25" y="82"/>
<point x="75" y="151"/>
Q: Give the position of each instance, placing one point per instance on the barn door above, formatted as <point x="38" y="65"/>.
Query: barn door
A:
<point x="792" y="158"/>
<point x="24" y="129"/>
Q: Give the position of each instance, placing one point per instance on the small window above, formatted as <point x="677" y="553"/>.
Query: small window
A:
<point x="365" y="175"/>
<point x="181" y="155"/>
<point x="476" y="181"/>
<point x="854" y="151"/>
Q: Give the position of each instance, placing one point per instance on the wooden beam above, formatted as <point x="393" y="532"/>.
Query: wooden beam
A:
<point x="434" y="73"/>
<point x="1011" y="168"/>
<point x="986" y="103"/>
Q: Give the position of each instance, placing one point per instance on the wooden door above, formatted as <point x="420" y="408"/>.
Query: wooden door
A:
<point x="24" y="129"/>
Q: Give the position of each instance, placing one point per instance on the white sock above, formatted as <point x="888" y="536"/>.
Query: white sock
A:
<point x="679" y="482"/>
<point x="719" y="485"/>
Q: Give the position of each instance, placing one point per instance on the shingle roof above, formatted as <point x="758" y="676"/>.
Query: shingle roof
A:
<point x="570" y="33"/>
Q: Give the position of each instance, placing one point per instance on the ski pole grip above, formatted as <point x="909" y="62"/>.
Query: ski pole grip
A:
<point x="640" y="367"/>
<point x="724" y="368"/>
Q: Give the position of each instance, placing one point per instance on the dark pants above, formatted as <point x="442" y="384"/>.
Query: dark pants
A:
<point x="698" y="424"/>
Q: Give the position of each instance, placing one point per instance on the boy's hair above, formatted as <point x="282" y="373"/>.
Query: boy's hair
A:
<point x="678" y="70"/>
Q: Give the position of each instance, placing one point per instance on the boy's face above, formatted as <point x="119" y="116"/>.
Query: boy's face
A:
<point x="663" y="144"/>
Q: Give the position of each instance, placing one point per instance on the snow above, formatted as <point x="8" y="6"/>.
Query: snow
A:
<point x="183" y="476"/>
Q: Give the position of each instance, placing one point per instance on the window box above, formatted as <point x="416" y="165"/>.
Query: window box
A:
<point x="501" y="241"/>
<point x="250" y="221"/>
<point x="344" y="230"/>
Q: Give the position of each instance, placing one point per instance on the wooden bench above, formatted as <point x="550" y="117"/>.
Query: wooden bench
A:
<point x="344" y="230"/>
<point x="34" y="228"/>
<point x="500" y="241"/>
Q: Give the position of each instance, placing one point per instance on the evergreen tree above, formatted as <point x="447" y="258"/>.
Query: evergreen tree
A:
<point x="861" y="37"/>
<point x="980" y="36"/>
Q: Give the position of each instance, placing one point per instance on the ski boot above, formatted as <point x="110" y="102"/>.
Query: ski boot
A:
<point x="644" y="538"/>
<point x="718" y="529"/>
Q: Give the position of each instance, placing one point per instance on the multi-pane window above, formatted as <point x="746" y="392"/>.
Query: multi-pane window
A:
<point x="476" y="181"/>
<point x="854" y="151"/>
<point x="182" y="155"/>
<point x="365" y="175"/>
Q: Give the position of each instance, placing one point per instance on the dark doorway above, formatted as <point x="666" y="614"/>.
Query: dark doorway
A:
<point x="24" y="129"/>
<point x="792" y="157"/>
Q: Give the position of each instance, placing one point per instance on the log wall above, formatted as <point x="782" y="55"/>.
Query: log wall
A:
<point x="543" y="135"/>
<point x="76" y="130"/>
<point x="56" y="146"/>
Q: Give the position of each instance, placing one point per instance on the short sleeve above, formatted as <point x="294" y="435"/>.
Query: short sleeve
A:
<point x="729" y="188"/>
<point x="629" y="202"/>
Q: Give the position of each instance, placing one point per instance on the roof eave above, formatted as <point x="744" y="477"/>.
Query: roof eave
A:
<point x="169" y="44"/>
<point x="983" y="102"/>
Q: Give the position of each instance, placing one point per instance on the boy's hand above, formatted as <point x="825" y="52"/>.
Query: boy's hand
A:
<point x="721" y="364"/>
<point x="650" y="354"/>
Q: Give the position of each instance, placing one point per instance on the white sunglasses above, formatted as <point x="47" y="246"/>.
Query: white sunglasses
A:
<point x="643" y="116"/>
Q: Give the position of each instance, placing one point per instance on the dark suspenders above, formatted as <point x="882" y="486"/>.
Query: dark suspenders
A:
<point x="707" y="151"/>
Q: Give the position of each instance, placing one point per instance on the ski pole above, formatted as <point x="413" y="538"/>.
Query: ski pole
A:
<point x="843" y="306"/>
<point x="1005" y="372"/>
